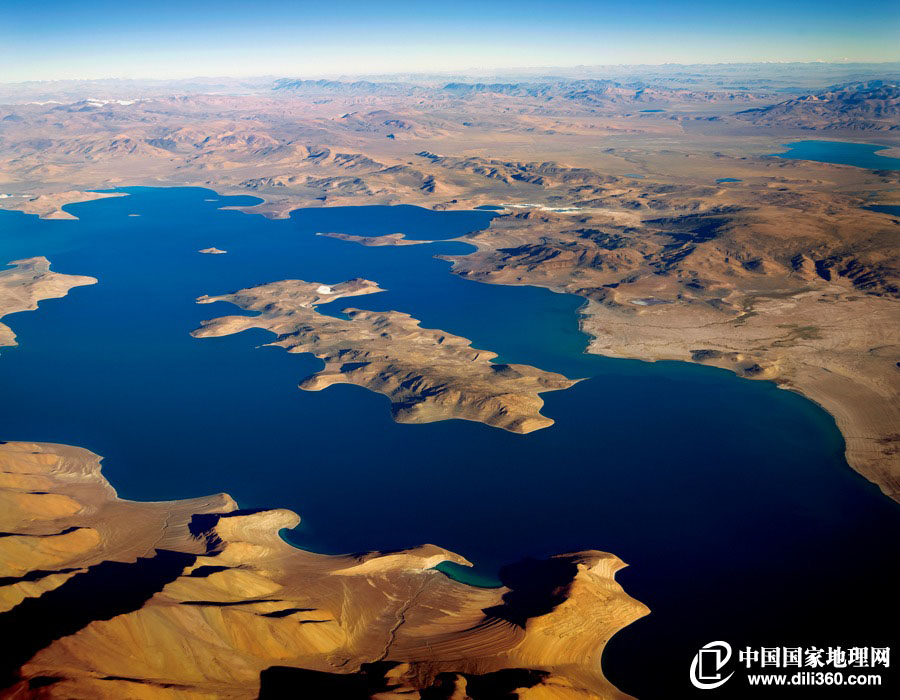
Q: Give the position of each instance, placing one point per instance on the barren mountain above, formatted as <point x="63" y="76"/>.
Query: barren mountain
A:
<point x="871" y="106"/>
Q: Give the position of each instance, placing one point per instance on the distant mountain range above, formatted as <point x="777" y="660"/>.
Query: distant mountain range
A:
<point x="868" y="106"/>
<point x="339" y="87"/>
<point x="588" y="91"/>
<point x="785" y="79"/>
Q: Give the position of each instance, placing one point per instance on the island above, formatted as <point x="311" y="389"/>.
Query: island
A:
<point x="429" y="375"/>
<point x="389" y="239"/>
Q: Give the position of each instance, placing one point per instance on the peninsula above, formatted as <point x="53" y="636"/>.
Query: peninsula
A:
<point x="29" y="281"/>
<point x="259" y="616"/>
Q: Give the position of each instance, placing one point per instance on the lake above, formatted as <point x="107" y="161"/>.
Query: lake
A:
<point x="729" y="499"/>
<point x="862" y="155"/>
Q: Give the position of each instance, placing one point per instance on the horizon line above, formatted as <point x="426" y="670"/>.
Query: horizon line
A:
<point x="461" y="71"/>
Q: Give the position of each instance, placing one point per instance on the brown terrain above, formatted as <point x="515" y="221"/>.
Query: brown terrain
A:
<point x="784" y="276"/>
<point x="29" y="281"/>
<point x="196" y="599"/>
<point x="428" y="375"/>
<point x="799" y="290"/>
<point x="50" y="206"/>
<point x="873" y="106"/>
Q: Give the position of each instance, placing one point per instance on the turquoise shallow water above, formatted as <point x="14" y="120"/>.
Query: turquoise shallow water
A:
<point x="730" y="499"/>
<point x="862" y="155"/>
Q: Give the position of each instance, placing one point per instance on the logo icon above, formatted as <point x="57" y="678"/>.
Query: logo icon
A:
<point x="706" y="668"/>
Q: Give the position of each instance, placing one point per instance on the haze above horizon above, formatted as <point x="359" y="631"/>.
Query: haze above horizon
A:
<point x="170" y="40"/>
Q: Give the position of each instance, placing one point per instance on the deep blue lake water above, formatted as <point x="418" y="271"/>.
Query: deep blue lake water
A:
<point x="862" y="155"/>
<point x="729" y="499"/>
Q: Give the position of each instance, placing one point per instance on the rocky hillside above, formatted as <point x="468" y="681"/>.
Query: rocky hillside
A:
<point x="871" y="106"/>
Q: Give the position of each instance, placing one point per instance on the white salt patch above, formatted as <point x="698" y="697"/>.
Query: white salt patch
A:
<point x="324" y="289"/>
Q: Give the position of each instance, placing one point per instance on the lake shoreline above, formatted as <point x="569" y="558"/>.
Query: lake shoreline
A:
<point x="544" y="514"/>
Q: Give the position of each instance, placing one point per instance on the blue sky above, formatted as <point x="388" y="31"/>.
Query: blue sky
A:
<point x="54" y="39"/>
